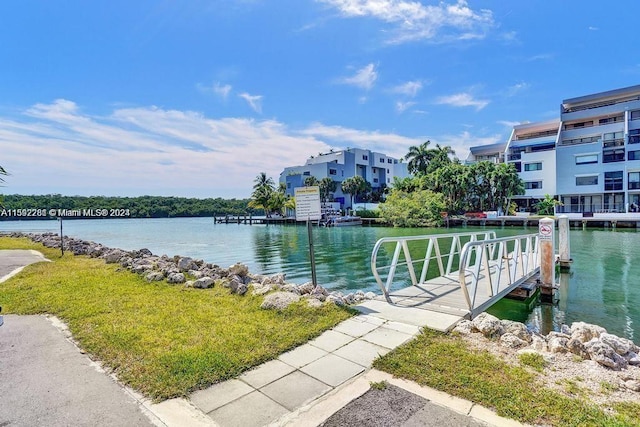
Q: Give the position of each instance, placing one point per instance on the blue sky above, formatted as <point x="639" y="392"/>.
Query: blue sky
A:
<point x="195" y="98"/>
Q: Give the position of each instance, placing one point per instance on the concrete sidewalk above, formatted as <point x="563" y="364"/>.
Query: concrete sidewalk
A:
<point x="47" y="380"/>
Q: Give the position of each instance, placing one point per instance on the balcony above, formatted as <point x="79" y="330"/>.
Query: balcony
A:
<point x="518" y="156"/>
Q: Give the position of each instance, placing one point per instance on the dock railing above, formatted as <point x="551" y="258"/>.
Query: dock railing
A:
<point x="479" y="262"/>
<point x="438" y="250"/>
<point x="497" y="265"/>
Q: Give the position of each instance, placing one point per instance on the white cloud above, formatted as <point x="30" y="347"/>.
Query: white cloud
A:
<point x="540" y="57"/>
<point x="254" y="101"/>
<point x="401" y="107"/>
<point x="516" y="88"/>
<point x="461" y="142"/>
<point x="221" y="90"/>
<point x="412" y="20"/>
<point x="462" y="100"/>
<point x="508" y="123"/>
<point x="391" y="144"/>
<point x="57" y="148"/>
<point x="591" y="28"/>
<point x="410" y="88"/>
<point x="364" y="78"/>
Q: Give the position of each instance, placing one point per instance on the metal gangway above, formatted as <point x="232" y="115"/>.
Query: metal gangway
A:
<point x="458" y="273"/>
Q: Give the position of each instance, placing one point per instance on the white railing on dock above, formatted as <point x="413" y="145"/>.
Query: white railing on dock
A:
<point x="496" y="264"/>
<point x="434" y="251"/>
<point x="484" y="267"/>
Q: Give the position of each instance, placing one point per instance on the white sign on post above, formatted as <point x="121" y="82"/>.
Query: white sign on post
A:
<point x="308" y="203"/>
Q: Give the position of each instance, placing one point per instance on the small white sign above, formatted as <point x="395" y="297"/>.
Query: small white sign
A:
<point x="308" y="203"/>
<point x="545" y="232"/>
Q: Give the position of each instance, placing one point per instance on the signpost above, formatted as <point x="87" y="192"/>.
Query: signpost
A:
<point x="308" y="209"/>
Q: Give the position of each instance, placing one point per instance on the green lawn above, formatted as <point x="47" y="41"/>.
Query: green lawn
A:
<point x="162" y="340"/>
<point x="444" y="362"/>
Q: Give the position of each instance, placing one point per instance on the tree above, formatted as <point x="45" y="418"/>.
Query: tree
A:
<point x="311" y="181"/>
<point x="263" y="190"/>
<point x="453" y="181"/>
<point x="354" y="186"/>
<point x="421" y="208"/>
<point x="547" y="205"/>
<point x="419" y="157"/>
<point x="3" y="172"/>
<point x="327" y="186"/>
<point x="505" y="183"/>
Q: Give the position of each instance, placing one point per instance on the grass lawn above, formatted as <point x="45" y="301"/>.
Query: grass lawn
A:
<point x="162" y="340"/>
<point x="445" y="363"/>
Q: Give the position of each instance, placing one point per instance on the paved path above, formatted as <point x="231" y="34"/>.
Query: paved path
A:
<point x="46" y="380"/>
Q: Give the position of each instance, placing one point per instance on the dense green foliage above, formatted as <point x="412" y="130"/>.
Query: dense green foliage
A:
<point x="163" y="340"/>
<point x="138" y="207"/>
<point x="547" y="205"/>
<point x="420" y="208"/>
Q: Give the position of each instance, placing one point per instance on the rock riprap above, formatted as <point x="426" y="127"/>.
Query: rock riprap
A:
<point x="199" y="274"/>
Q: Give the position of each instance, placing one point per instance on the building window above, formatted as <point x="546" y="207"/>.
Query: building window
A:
<point x="333" y="171"/>
<point x="529" y="167"/>
<point x="381" y="160"/>
<point x="614" y="119"/>
<point x="389" y="161"/>
<point x="613" y="139"/>
<point x="634" y="155"/>
<point x="634" y="136"/>
<point x="533" y="185"/>
<point x="365" y="157"/>
<point x="306" y="173"/>
<point x="634" y="181"/>
<point x="375" y="180"/>
<point x="586" y="159"/>
<point x="610" y="156"/>
<point x="387" y="170"/>
<point x="635" y="115"/>
<point x="518" y="166"/>
<point x="288" y="185"/>
<point x="613" y="181"/>
<point x="587" y="180"/>
<point x="388" y="180"/>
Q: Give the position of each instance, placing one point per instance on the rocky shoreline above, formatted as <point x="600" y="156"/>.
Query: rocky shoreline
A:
<point x="194" y="273"/>
<point x="580" y="352"/>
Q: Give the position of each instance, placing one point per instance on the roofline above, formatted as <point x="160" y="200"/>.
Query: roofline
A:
<point x="602" y="95"/>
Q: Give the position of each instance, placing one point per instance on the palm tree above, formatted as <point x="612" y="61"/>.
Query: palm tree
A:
<point x="327" y="186"/>
<point x="311" y="181"/>
<point x="354" y="186"/>
<point x="263" y="190"/>
<point x="419" y="157"/>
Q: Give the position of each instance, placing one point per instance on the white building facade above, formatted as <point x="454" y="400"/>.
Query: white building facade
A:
<point x="376" y="168"/>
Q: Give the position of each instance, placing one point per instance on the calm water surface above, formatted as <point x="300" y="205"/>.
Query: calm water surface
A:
<point x="604" y="286"/>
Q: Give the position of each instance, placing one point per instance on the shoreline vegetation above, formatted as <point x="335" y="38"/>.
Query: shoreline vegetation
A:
<point x="167" y="340"/>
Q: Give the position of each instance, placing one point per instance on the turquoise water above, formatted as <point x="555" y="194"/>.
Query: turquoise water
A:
<point x="604" y="286"/>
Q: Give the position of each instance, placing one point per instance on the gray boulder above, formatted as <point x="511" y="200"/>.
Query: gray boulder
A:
<point x="154" y="276"/>
<point x="576" y="347"/>
<point x="518" y="329"/>
<point x="314" y="303"/>
<point x="279" y="300"/>
<point x="186" y="264"/>
<point x="605" y="355"/>
<point x="306" y="288"/>
<point x="621" y="346"/>
<point x="175" y="278"/>
<point x="238" y="269"/>
<point x="490" y="326"/>
<point x="585" y="332"/>
<point x="203" y="283"/>
<point x="510" y="340"/>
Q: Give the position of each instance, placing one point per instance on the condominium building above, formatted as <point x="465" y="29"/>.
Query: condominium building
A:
<point x="376" y="168"/>
<point x="589" y="158"/>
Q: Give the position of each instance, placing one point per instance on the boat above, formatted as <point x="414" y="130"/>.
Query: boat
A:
<point x="343" y="221"/>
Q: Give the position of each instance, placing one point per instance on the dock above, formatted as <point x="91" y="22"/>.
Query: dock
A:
<point x="276" y="220"/>
<point x="473" y="272"/>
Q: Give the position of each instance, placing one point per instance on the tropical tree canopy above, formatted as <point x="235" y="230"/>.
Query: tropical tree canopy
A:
<point x="263" y="191"/>
<point x="353" y="186"/>
<point x="327" y="187"/>
<point x="419" y="157"/>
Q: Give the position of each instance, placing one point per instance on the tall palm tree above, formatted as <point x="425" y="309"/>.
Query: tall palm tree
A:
<point x="354" y="186"/>
<point x="262" y="181"/>
<point x="419" y="157"/>
<point x="263" y="190"/>
<point x="311" y="181"/>
<point x="327" y="186"/>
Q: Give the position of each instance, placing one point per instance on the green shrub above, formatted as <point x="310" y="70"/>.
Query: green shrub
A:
<point x="420" y="208"/>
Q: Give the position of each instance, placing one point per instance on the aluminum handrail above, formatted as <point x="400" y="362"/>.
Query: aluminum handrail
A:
<point x="433" y="252"/>
<point x="493" y="260"/>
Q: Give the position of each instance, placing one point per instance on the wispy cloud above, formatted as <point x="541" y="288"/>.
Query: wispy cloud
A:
<point x="462" y="100"/>
<point x="254" y="101"/>
<point x="221" y="90"/>
<point x="364" y="78"/>
<point x="410" y="88"/>
<point x="540" y="57"/>
<point x="593" y="28"/>
<point x="516" y="89"/>
<point x="412" y="20"/>
<point x="401" y="107"/>
<point x="58" y="148"/>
